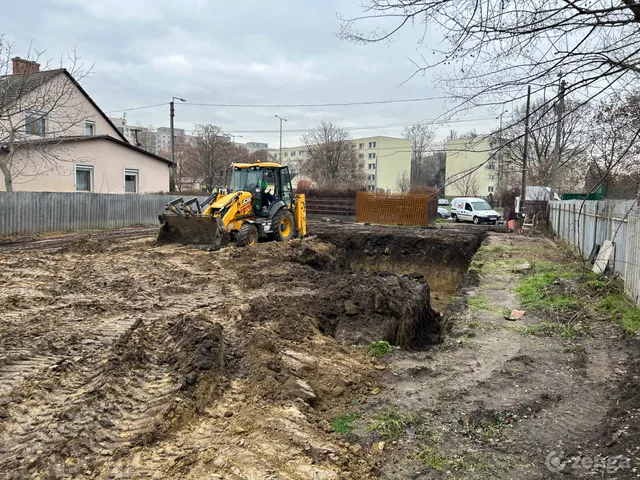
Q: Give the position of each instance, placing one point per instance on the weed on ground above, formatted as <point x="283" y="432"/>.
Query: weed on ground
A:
<point x="380" y="349"/>
<point x="345" y="423"/>
<point x="391" y="423"/>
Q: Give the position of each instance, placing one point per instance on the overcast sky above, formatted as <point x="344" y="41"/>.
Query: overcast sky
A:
<point x="249" y="51"/>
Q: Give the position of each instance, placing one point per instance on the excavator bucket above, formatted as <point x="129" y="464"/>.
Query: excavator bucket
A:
<point x="192" y="230"/>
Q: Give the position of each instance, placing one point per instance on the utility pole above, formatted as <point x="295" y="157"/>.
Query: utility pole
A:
<point x="523" y="190"/>
<point x="281" y="120"/>
<point x="172" y="113"/>
<point x="556" y="150"/>
<point x="500" y="162"/>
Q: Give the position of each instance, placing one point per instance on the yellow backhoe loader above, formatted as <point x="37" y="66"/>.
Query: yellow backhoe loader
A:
<point x="259" y="202"/>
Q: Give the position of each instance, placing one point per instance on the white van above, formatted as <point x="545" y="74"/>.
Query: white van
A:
<point x="474" y="210"/>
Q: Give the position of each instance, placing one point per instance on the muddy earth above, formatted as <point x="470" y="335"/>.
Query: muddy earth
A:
<point x="122" y="359"/>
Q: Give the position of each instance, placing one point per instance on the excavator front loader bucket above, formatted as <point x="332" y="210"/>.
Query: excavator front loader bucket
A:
<point x="192" y="230"/>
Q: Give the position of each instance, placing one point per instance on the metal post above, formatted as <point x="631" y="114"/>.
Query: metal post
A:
<point x="171" y="115"/>
<point x="556" y="150"/>
<point x="500" y="164"/>
<point x="281" y="120"/>
<point x="523" y="191"/>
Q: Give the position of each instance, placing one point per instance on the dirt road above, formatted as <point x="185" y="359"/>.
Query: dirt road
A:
<point x="119" y="359"/>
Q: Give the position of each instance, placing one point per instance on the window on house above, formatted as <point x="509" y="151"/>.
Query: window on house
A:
<point x="361" y="145"/>
<point x="372" y="155"/>
<point x="492" y="178"/>
<point x="372" y="144"/>
<point x="131" y="180"/>
<point x="35" y="123"/>
<point x="491" y="166"/>
<point x="89" y="128"/>
<point x="361" y="156"/>
<point x="84" y="178"/>
<point x="286" y="154"/>
<point x="301" y="152"/>
<point x="293" y="154"/>
<point x="490" y="189"/>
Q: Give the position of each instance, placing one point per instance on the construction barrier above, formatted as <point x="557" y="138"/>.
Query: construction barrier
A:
<point x="333" y="207"/>
<point x="398" y="209"/>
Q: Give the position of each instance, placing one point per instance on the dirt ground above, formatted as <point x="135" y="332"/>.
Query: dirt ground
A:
<point x="121" y="359"/>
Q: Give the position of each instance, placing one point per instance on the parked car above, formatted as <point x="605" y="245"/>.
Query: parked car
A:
<point x="474" y="210"/>
<point x="443" y="201"/>
<point x="443" y="213"/>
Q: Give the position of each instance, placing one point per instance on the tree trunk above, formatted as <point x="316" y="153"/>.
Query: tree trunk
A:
<point x="8" y="179"/>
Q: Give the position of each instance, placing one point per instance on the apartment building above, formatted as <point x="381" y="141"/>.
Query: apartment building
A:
<point x="469" y="169"/>
<point x="385" y="160"/>
<point x="254" y="146"/>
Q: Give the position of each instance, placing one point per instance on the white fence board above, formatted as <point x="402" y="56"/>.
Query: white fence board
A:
<point x="587" y="223"/>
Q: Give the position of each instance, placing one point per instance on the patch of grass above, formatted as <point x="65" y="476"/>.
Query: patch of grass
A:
<point x="391" y="423"/>
<point x="478" y="303"/>
<point x="536" y="293"/>
<point x="543" y="328"/>
<point x="621" y="308"/>
<point x="433" y="459"/>
<point x="345" y="423"/>
<point x="380" y="349"/>
<point x="446" y="394"/>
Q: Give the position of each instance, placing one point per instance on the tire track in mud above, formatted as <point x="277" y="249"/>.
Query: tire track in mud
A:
<point x="131" y="391"/>
<point x="88" y="374"/>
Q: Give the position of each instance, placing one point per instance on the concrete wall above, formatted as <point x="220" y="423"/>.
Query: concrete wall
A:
<point x="463" y="155"/>
<point x="46" y="172"/>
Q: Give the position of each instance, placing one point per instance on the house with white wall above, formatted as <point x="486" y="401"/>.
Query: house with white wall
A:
<point x="55" y="138"/>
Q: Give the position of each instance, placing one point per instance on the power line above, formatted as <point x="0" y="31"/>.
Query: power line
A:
<point x="138" y="108"/>
<point x="310" y="105"/>
<point x="367" y="127"/>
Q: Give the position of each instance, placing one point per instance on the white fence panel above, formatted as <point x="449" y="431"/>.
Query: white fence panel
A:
<point x="588" y="223"/>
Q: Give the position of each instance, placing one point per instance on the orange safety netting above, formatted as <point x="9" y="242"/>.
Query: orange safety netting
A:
<point x="398" y="209"/>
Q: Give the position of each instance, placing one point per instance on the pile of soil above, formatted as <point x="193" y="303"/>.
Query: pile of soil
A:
<point x="175" y="362"/>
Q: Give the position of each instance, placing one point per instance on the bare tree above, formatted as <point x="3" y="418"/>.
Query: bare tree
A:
<point x="331" y="158"/>
<point x="435" y="167"/>
<point x="184" y="172"/>
<point x="492" y="50"/>
<point x="212" y="153"/>
<point x="613" y="148"/>
<point x="403" y="182"/>
<point x="261" y="155"/>
<point x="38" y="107"/>
<point x="467" y="185"/>
<point x="542" y="142"/>
<point x="421" y="137"/>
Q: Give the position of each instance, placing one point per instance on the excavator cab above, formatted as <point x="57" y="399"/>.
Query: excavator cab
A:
<point x="259" y="201"/>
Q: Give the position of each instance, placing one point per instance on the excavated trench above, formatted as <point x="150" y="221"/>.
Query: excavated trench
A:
<point x="385" y="283"/>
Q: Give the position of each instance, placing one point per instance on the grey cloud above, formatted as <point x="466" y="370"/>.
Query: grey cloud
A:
<point x="248" y="51"/>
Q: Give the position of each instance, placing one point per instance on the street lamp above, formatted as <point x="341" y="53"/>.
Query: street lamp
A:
<point x="172" y="114"/>
<point x="281" y="120"/>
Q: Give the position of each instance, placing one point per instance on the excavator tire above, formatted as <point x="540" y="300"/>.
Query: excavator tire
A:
<point x="247" y="235"/>
<point x="282" y="226"/>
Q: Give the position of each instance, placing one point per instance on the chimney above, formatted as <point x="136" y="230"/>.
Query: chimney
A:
<point x="21" y="66"/>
